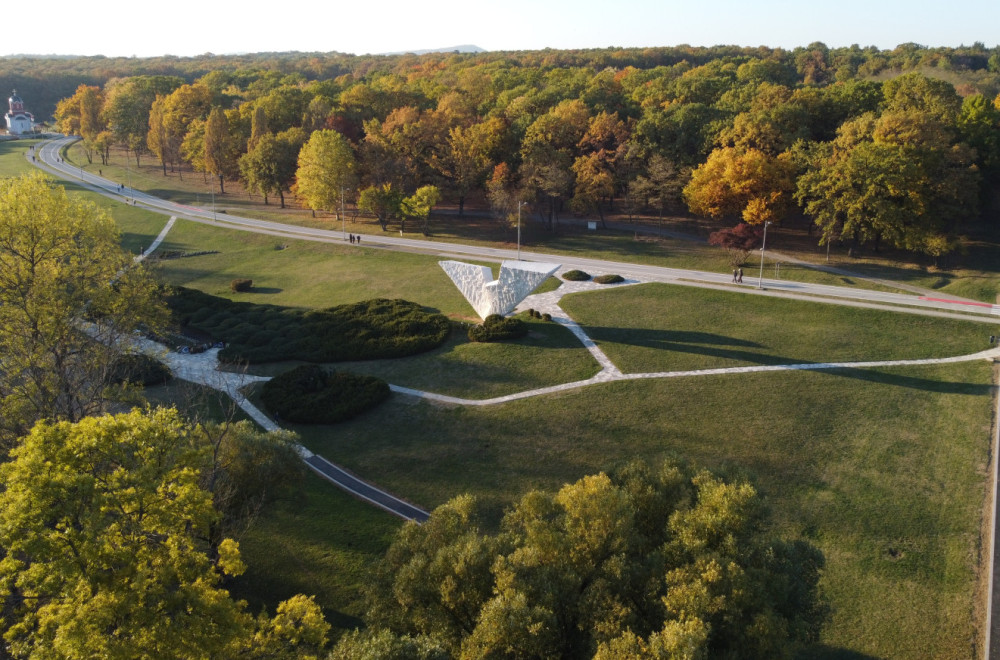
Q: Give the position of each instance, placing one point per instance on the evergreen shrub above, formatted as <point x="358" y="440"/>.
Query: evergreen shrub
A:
<point x="309" y="394"/>
<point x="498" y="328"/>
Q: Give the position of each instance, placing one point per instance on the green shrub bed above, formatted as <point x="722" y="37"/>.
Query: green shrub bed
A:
<point x="576" y="276"/>
<point x="498" y="328"/>
<point x="309" y="394"/>
<point x="609" y="279"/>
<point x="139" y="369"/>
<point x="254" y="333"/>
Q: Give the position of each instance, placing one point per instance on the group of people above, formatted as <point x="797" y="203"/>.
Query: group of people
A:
<point x="355" y="239"/>
<point x="738" y="275"/>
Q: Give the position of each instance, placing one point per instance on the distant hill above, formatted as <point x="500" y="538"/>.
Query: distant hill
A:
<point x="467" y="48"/>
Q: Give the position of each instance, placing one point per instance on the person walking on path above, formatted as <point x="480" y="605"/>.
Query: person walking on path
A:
<point x="739" y="276"/>
<point x="734" y="275"/>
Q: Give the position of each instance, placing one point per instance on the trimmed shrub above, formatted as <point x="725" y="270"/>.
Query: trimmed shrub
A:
<point x="139" y="369"/>
<point x="241" y="285"/>
<point x="498" y="328"/>
<point x="609" y="279"/>
<point x="309" y="394"/>
<point x="368" y="330"/>
<point x="546" y="316"/>
<point x="576" y="276"/>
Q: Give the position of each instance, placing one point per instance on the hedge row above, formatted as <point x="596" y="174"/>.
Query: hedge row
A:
<point x="309" y="394"/>
<point x="576" y="276"/>
<point x="609" y="279"/>
<point x="498" y="328"/>
<point x="256" y="333"/>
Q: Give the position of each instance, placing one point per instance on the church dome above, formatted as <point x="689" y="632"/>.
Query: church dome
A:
<point x="16" y="104"/>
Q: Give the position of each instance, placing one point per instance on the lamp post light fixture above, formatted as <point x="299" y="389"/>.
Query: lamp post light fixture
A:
<point x="519" y="205"/>
<point x="763" y="246"/>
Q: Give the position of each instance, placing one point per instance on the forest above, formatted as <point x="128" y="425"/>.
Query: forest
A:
<point x="893" y="148"/>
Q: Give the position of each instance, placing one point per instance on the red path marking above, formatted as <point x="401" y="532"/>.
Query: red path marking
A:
<point x="956" y="302"/>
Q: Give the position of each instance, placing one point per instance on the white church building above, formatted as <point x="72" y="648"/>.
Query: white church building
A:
<point x="19" y="122"/>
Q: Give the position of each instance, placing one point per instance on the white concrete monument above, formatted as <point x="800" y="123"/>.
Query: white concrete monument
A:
<point x="500" y="296"/>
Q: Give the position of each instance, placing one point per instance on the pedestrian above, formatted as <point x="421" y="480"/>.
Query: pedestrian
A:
<point x="352" y="239"/>
<point x="357" y="239"/>
<point x="739" y="277"/>
<point x="100" y="172"/>
<point x="734" y="275"/>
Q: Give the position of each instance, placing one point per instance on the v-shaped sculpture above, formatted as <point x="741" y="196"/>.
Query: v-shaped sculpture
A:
<point x="500" y="296"/>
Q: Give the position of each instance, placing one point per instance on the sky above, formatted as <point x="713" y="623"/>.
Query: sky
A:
<point x="193" y="27"/>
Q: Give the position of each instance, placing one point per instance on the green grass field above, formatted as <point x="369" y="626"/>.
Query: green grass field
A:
<point x="884" y="470"/>
<point x="663" y="327"/>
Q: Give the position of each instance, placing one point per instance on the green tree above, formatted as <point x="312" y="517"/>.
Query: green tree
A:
<point x="384" y="202"/>
<point x="418" y="206"/>
<point x="269" y="166"/>
<point x="104" y="522"/>
<point x="326" y="171"/>
<point x="668" y="560"/>
<point x="70" y="299"/>
<point x="899" y="178"/>
<point x="126" y="108"/>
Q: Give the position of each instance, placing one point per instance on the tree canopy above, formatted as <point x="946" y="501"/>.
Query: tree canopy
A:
<point x="644" y="562"/>
<point x="70" y="298"/>
<point x="107" y="529"/>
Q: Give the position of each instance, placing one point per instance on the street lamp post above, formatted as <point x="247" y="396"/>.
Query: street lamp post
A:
<point x="763" y="246"/>
<point x="519" y="205"/>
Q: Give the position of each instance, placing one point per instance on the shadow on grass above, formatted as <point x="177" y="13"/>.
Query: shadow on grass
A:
<point x="824" y="652"/>
<point x="661" y="338"/>
<point x="924" y="384"/>
<point x="265" y="289"/>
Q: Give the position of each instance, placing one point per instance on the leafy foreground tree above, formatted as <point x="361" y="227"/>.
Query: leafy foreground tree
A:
<point x="105" y="526"/>
<point x="642" y="563"/>
<point x="70" y="298"/>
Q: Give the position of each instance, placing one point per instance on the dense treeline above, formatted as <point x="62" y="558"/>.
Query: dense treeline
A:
<point x="870" y="154"/>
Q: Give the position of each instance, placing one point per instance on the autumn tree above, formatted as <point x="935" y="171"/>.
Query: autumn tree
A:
<point x="103" y="522"/>
<point x="221" y="150"/>
<point x="738" y="241"/>
<point x="127" y="105"/>
<point x="465" y="158"/>
<point x="642" y="558"/>
<point x="70" y="298"/>
<point x="326" y="171"/>
<point x="750" y="184"/>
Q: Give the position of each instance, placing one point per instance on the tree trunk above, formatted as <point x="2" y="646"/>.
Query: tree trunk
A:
<point x="163" y="163"/>
<point x="461" y="206"/>
<point x="281" y="195"/>
<point x="222" y="186"/>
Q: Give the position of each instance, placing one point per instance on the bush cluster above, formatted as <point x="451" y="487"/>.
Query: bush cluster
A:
<point x="535" y="314"/>
<point x="255" y="333"/>
<point x="309" y="394"/>
<point x="576" y="276"/>
<point x="139" y="369"/>
<point x="609" y="279"/>
<point x="241" y="285"/>
<point x="498" y="328"/>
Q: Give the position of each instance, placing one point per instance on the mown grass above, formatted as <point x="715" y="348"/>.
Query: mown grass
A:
<point x="663" y="327"/>
<point x="883" y="470"/>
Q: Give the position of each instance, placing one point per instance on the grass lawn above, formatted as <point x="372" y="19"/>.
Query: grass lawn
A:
<point x="884" y="471"/>
<point x="549" y="355"/>
<point x="321" y="543"/>
<point x="663" y="327"/>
